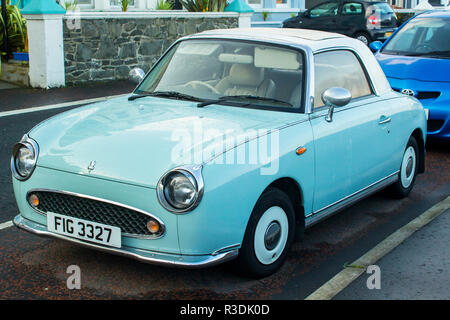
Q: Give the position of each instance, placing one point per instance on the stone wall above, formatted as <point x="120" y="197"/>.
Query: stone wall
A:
<point x="103" y="48"/>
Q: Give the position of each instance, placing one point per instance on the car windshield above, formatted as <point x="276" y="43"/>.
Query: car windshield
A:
<point x="228" y="71"/>
<point x="427" y="37"/>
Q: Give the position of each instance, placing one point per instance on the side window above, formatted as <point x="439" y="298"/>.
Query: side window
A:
<point x="342" y="69"/>
<point x="327" y="9"/>
<point x="352" y="8"/>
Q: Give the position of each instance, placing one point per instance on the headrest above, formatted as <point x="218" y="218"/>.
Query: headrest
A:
<point x="246" y="75"/>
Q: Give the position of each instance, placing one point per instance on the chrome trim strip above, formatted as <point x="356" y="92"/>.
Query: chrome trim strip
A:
<point x="226" y="249"/>
<point x="147" y="256"/>
<point x="350" y="199"/>
<point x="161" y="223"/>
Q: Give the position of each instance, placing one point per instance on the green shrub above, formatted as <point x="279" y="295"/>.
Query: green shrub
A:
<point x="17" y="28"/>
<point x="164" y="4"/>
<point x="125" y="4"/>
<point x="204" y="5"/>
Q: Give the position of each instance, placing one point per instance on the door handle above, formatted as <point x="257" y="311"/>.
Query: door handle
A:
<point x="384" y="120"/>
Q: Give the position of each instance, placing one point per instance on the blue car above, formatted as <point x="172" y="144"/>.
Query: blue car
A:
<point x="416" y="61"/>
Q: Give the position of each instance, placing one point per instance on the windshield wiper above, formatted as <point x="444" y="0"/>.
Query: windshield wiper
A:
<point x="245" y="97"/>
<point x="166" y="94"/>
<point x="430" y="53"/>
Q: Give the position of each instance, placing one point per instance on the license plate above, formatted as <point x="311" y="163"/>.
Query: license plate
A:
<point x="84" y="230"/>
<point x="388" y="34"/>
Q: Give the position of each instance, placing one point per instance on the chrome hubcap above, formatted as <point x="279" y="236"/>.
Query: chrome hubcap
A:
<point x="363" y="39"/>
<point x="272" y="236"/>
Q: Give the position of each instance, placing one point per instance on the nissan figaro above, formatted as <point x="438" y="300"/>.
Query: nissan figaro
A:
<point x="230" y="146"/>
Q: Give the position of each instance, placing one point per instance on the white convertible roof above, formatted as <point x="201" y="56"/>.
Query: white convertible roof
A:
<point x="311" y="38"/>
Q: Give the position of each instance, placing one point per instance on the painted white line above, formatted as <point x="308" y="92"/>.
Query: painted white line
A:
<point x="6" y="224"/>
<point x="59" y="105"/>
<point x="340" y="281"/>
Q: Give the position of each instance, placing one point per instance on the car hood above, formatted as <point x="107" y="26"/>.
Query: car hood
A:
<point x="137" y="142"/>
<point x="414" y="68"/>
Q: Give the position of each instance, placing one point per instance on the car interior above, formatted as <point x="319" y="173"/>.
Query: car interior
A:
<point x="212" y="70"/>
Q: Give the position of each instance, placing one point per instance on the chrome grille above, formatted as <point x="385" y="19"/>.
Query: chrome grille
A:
<point x="131" y="222"/>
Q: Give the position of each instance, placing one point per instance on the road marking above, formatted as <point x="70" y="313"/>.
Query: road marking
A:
<point x="340" y="281"/>
<point x="59" y="105"/>
<point x="6" y="224"/>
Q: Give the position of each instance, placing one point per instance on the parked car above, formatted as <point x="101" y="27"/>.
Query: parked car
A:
<point x="416" y="61"/>
<point x="364" y="20"/>
<point x="175" y="174"/>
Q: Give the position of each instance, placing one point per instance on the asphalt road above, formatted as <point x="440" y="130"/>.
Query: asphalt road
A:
<point x="35" y="268"/>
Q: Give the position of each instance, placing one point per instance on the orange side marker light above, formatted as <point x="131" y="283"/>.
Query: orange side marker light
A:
<point x="301" y="150"/>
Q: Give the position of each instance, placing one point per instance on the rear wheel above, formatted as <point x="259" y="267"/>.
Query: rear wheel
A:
<point x="269" y="234"/>
<point x="363" y="37"/>
<point x="408" y="170"/>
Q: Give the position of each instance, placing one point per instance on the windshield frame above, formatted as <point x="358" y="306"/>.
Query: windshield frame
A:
<point x="250" y="104"/>
<point x="406" y="53"/>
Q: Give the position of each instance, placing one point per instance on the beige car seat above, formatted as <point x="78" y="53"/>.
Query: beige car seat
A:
<point x="245" y="79"/>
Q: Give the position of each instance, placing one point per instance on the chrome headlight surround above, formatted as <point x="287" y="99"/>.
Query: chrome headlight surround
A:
<point x="194" y="175"/>
<point x="33" y="148"/>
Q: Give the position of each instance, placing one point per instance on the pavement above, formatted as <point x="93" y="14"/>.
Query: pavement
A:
<point x="6" y="85"/>
<point x="418" y="269"/>
<point x="20" y="97"/>
<point x="35" y="268"/>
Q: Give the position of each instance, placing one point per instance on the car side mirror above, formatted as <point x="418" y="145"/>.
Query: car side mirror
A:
<point x="136" y="75"/>
<point x="335" y="97"/>
<point x="306" y="14"/>
<point x="375" y="46"/>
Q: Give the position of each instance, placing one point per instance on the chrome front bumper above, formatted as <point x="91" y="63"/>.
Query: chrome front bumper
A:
<point x="152" y="257"/>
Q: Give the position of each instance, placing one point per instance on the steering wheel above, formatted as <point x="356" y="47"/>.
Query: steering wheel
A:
<point x="195" y="84"/>
<point x="425" y="46"/>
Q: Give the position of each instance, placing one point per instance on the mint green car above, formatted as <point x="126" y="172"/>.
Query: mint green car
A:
<point x="234" y="143"/>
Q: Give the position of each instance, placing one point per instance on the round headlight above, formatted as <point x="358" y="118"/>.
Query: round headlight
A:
<point x="180" y="190"/>
<point x="23" y="160"/>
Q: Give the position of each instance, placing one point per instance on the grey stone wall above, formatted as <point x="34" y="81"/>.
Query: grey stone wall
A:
<point x="108" y="48"/>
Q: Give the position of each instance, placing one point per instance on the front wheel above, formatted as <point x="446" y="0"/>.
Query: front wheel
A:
<point x="269" y="233"/>
<point x="408" y="170"/>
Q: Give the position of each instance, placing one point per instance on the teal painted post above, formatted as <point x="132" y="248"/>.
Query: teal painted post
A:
<point x="239" y="6"/>
<point x="42" y="7"/>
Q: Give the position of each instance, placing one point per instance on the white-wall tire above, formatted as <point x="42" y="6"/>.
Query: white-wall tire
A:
<point x="408" y="170"/>
<point x="273" y="216"/>
<point x="262" y="254"/>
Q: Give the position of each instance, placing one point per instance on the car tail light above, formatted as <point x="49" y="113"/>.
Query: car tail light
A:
<point x="373" y="20"/>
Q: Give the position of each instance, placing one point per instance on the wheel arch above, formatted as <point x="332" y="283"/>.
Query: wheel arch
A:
<point x="418" y="135"/>
<point x="292" y="188"/>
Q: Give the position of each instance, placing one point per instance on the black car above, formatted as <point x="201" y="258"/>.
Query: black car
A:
<point x="364" y="20"/>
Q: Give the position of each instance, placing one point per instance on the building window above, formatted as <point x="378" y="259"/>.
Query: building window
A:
<point x="255" y="3"/>
<point x="117" y="3"/>
<point x="283" y="3"/>
<point x="84" y="3"/>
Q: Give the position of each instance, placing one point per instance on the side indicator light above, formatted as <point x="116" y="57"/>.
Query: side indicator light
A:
<point x="153" y="226"/>
<point x="301" y="150"/>
<point x="33" y="200"/>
